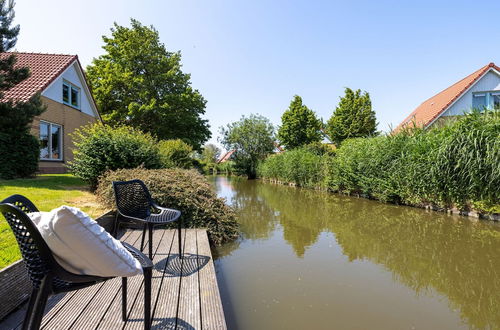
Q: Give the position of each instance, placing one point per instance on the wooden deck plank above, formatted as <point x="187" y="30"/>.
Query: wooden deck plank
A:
<point x="166" y="302"/>
<point x="112" y="319"/>
<point x="136" y="315"/>
<point x="212" y="313"/>
<point x="63" y="314"/>
<point x="189" y="299"/>
<point x="92" y="314"/>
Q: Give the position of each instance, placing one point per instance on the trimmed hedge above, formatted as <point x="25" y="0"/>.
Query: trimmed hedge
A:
<point x="185" y="190"/>
<point x="457" y="165"/>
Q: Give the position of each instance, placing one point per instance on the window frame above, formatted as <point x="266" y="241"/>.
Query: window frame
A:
<point x="70" y="98"/>
<point x="49" y="144"/>
<point x="489" y="99"/>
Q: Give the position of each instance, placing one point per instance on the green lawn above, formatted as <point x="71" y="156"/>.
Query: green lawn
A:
<point x="46" y="192"/>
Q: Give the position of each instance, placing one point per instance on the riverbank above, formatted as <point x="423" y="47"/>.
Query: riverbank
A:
<point x="454" y="168"/>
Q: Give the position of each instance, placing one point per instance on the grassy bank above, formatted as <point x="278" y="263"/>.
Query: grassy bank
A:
<point x="46" y="192"/>
<point x="455" y="166"/>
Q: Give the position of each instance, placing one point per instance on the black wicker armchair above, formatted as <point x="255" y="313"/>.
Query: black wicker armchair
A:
<point x="47" y="276"/>
<point x="134" y="202"/>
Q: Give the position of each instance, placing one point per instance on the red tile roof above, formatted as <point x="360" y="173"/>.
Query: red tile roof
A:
<point x="429" y="110"/>
<point x="44" y="69"/>
<point x="226" y="156"/>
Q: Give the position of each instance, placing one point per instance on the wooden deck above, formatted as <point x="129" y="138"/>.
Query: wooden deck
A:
<point x="185" y="294"/>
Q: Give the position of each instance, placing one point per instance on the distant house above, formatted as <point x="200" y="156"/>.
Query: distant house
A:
<point x="61" y="82"/>
<point x="480" y="90"/>
<point x="226" y="157"/>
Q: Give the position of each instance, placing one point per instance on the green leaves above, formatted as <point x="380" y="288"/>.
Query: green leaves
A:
<point x="352" y="118"/>
<point x="139" y="83"/>
<point x="299" y="125"/>
<point x="253" y="139"/>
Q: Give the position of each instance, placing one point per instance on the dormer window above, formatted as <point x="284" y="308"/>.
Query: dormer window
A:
<point x="71" y="95"/>
<point x="486" y="100"/>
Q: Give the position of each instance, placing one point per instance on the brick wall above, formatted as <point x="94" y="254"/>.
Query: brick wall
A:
<point x="70" y="119"/>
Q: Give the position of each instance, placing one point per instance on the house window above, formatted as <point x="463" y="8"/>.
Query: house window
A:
<point x="486" y="100"/>
<point x="71" y="95"/>
<point x="50" y="141"/>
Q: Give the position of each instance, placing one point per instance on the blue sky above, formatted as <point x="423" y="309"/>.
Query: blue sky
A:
<point x="253" y="56"/>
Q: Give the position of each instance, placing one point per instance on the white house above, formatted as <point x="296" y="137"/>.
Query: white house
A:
<point x="480" y="90"/>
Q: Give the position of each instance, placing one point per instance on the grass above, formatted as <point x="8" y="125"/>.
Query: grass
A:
<point x="46" y="192"/>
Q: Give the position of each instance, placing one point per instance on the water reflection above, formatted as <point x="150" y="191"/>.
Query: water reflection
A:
<point x="426" y="251"/>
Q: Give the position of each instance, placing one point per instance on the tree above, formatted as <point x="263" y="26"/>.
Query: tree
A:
<point x="252" y="139"/>
<point x="210" y="153"/>
<point x="139" y="83"/>
<point x="17" y="145"/>
<point x="299" y="125"/>
<point x="176" y="153"/>
<point x="353" y="117"/>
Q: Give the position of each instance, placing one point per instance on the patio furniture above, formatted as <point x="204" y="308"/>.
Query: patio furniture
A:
<point x="134" y="202"/>
<point x="48" y="277"/>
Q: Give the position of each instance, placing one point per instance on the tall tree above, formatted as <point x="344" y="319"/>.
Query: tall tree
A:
<point x="210" y="153"/>
<point x="139" y="83"/>
<point x="17" y="145"/>
<point x="299" y="125"/>
<point x="353" y="117"/>
<point x="252" y="138"/>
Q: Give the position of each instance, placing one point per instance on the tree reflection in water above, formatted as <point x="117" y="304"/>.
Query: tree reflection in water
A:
<point x="425" y="251"/>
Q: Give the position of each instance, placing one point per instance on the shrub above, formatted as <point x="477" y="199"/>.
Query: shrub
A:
<point x="456" y="165"/>
<point x="99" y="148"/>
<point x="185" y="190"/>
<point x="300" y="166"/>
<point x="175" y="153"/>
<point x="16" y="149"/>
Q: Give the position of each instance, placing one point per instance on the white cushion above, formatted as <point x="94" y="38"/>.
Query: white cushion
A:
<point x="81" y="246"/>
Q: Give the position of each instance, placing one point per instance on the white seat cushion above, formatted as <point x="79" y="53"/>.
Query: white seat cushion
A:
<point x="81" y="246"/>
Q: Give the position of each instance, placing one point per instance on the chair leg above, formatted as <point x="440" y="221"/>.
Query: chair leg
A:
<point x="115" y="226"/>
<point x="143" y="235"/>
<point x="41" y="302"/>
<point x="147" y="298"/>
<point x="29" y="311"/>
<point x="150" y="225"/>
<point x="124" y="298"/>
<point x="179" y="229"/>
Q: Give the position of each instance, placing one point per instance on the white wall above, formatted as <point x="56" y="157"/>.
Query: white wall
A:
<point x="54" y="91"/>
<point x="489" y="82"/>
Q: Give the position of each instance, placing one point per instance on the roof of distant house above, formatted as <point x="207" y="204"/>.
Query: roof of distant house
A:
<point x="226" y="156"/>
<point x="44" y="69"/>
<point x="432" y="108"/>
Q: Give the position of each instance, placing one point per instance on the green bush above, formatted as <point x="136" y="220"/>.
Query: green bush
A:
<point x="456" y="165"/>
<point x="99" y="148"/>
<point x="185" y="190"/>
<point x="19" y="153"/>
<point x="176" y="153"/>
<point x="300" y="166"/>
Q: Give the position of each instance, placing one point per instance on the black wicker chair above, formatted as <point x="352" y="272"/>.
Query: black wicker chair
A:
<point x="134" y="202"/>
<point x="47" y="276"/>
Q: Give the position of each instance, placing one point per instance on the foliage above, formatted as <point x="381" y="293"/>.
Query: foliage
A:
<point x="299" y="125"/>
<point x="210" y="153"/>
<point x="17" y="145"/>
<point x="253" y="139"/>
<point x="451" y="166"/>
<point x="99" y="148"/>
<point x="352" y="118"/>
<point x="138" y="83"/>
<point x="300" y="166"/>
<point x="185" y="190"/>
<point x="176" y="153"/>
<point x="47" y="192"/>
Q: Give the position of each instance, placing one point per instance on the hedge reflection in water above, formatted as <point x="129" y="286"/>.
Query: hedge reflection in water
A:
<point x="452" y="255"/>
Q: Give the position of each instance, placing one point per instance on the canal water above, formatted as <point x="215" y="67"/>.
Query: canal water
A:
<point x="316" y="260"/>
